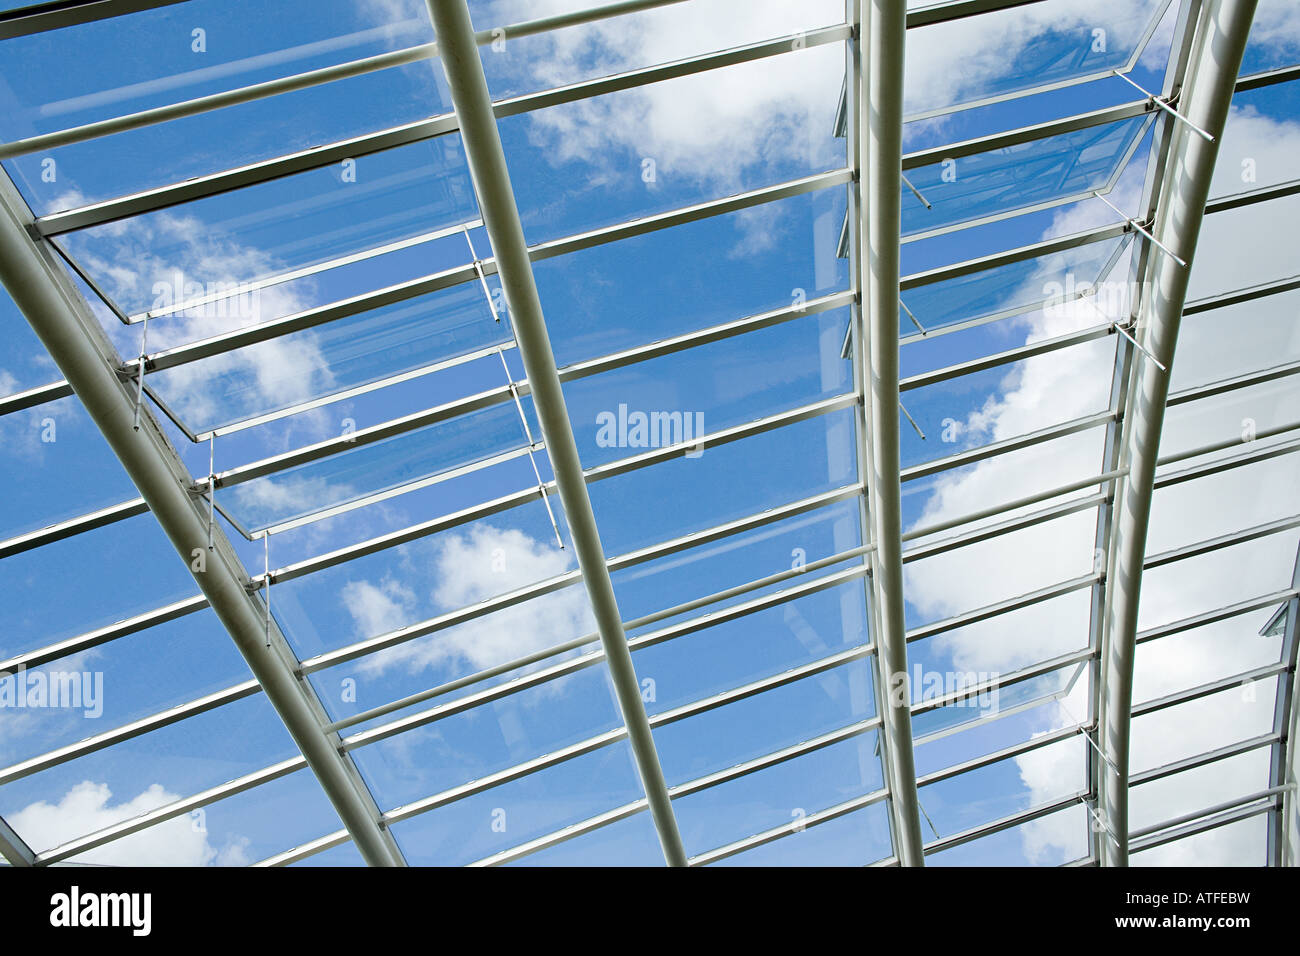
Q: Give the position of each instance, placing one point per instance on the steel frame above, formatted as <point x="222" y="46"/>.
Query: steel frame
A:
<point x="1208" y="44"/>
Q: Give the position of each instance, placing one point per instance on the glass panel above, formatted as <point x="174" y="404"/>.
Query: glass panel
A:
<point x="120" y="571"/>
<point x="765" y="723"/>
<point x="343" y="354"/>
<point x="984" y="573"/>
<point x="1246" y="246"/>
<point x="954" y="493"/>
<point x="676" y="143"/>
<point x="629" y="842"/>
<point x="270" y="228"/>
<point x="1001" y="789"/>
<point x="765" y="643"/>
<point x="944" y="749"/>
<point x="1210" y="581"/>
<point x="707" y="272"/>
<point x="1261" y="137"/>
<point x="525" y="809"/>
<point x="1043" y="44"/>
<point x="1024" y="285"/>
<point x="854" y="839"/>
<point x="1157" y="801"/>
<point x="1235" y="340"/>
<point x="979" y="702"/>
<point x="1055" y="839"/>
<point x="678" y="398"/>
<point x="1212" y="652"/>
<point x="797" y="461"/>
<point x="705" y="570"/>
<point x="71" y="76"/>
<point x="645" y="38"/>
<point x="57" y="466"/>
<point x="140" y="774"/>
<point x="25" y="363"/>
<point x="236" y="831"/>
<point x="1016" y="177"/>
<point x="345" y="854"/>
<point x="490" y="738"/>
<point x="1243" y="843"/>
<point x="788" y="792"/>
<point x="111" y="685"/>
<point x="395" y="587"/>
<point x="1236" y="415"/>
<point x="1223" y="503"/>
<point x="982" y="408"/>
<point x="1201" y="725"/>
<point x="373" y="468"/>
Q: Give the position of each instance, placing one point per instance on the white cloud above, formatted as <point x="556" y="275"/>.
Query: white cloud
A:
<point x="466" y="569"/>
<point x="88" y="808"/>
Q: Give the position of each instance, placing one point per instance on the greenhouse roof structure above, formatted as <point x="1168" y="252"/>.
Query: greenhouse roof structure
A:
<point x="687" y="432"/>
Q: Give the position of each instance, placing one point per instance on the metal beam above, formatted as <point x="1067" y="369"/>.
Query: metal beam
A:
<point x="13" y="848"/>
<point x="487" y="165"/>
<point x="57" y="14"/>
<point x="1283" y="838"/>
<point x="74" y="339"/>
<point x="1220" y="42"/>
<point x="880" y="144"/>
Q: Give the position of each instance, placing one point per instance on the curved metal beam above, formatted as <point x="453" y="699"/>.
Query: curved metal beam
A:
<point x="487" y="165"/>
<point x="1206" y="97"/>
<point x="881" y="147"/>
<point x="74" y="339"/>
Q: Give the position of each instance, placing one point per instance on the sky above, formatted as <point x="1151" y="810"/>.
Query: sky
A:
<point x="577" y="167"/>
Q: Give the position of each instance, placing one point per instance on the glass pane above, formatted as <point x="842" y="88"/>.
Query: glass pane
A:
<point x="57" y="466"/>
<point x="268" y="229"/>
<point x="487" y="823"/>
<point x="377" y="467"/>
<point x="146" y="772"/>
<point x="1043" y="44"/>
<point x="127" y="679"/>
<point x="1016" y="177"/>
<point x="679" y="398"/>
<point x="776" y="796"/>
<point x="854" y="839"/>
<point x="675" y="143"/>
<point x="121" y="570"/>
<point x="799" y="461"/>
<point x="1053" y="840"/>
<point x="1243" y="843"/>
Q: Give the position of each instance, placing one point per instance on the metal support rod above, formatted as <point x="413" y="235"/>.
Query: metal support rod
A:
<point x="500" y="214"/>
<point x="1162" y="104"/>
<point x="1213" y="66"/>
<point x="1142" y="229"/>
<point x="77" y="344"/>
<point x="881" y="132"/>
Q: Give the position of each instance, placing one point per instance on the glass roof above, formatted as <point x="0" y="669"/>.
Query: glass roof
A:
<point x="646" y="615"/>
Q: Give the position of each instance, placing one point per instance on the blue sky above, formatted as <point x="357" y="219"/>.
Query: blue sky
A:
<point x="574" y="167"/>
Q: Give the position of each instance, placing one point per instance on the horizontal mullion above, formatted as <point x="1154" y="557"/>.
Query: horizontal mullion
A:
<point x="169" y="811"/>
<point x="73" y="526"/>
<point x="19" y="401"/>
<point x="136" y="728"/>
<point x="1215" y="616"/>
<point x="305" y="850"/>
<point x="1201" y="760"/>
<point x="1005" y="823"/>
<point x="1213" y="687"/>
<point x="102" y="635"/>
